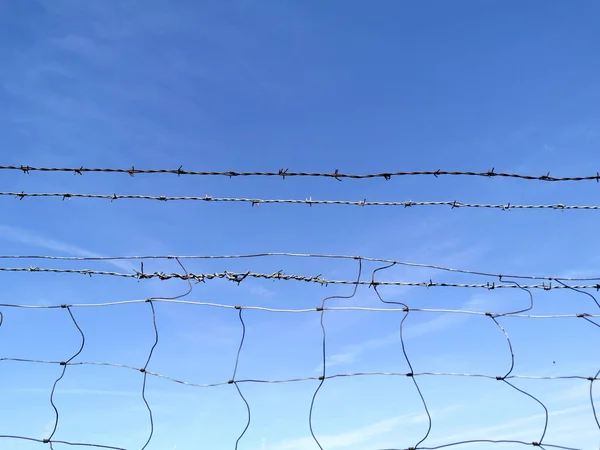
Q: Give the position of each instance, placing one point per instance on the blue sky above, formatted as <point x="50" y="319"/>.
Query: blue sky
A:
<point x="305" y="85"/>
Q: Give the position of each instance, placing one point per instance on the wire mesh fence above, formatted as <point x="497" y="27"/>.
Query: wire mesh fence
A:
<point x="373" y="280"/>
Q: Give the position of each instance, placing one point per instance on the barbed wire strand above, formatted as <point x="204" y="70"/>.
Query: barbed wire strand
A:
<point x="233" y="378"/>
<point x="324" y="350"/>
<point x="498" y="275"/>
<point x="404" y="352"/>
<point x="453" y="204"/>
<point x="237" y="277"/>
<point x="284" y="173"/>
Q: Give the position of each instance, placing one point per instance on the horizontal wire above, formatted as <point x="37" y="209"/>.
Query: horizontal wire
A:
<point x="238" y="277"/>
<point x="308" y="201"/>
<point x="298" y="379"/>
<point x="54" y="441"/>
<point x="298" y="255"/>
<point x="474" y="441"/>
<point x="286" y="173"/>
<point x="304" y="310"/>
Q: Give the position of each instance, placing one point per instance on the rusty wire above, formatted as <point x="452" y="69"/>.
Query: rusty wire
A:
<point x="238" y="277"/>
<point x="285" y="173"/>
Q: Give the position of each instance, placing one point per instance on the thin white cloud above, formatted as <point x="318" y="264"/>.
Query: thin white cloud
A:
<point x="351" y="353"/>
<point x="520" y="428"/>
<point x="32" y="239"/>
<point x="366" y="434"/>
<point x="355" y="437"/>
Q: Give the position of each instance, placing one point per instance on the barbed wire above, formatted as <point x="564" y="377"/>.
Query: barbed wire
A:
<point x="453" y="204"/>
<point x="238" y="277"/>
<point x="507" y="377"/>
<point x="284" y="173"/>
<point x="498" y="275"/>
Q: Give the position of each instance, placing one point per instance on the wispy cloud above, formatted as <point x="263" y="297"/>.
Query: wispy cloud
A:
<point x="520" y="428"/>
<point x="355" y="437"/>
<point x="351" y="353"/>
<point x="80" y="391"/>
<point x="32" y="239"/>
<point x="367" y="433"/>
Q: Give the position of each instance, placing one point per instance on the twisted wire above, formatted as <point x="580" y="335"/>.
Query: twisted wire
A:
<point x="238" y="277"/>
<point x="453" y="204"/>
<point x="285" y="173"/>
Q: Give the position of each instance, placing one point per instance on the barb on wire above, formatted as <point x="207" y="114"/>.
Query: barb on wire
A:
<point x="239" y="277"/>
<point x="453" y="204"/>
<point x="285" y="173"/>
<point x="406" y="310"/>
<point x="322" y="378"/>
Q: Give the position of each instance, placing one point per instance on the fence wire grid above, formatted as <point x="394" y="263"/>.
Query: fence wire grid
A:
<point x="589" y="317"/>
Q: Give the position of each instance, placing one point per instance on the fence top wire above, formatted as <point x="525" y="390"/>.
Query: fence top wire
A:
<point x="283" y="173"/>
<point x="238" y="277"/>
<point x="500" y="276"/>
<point x="453" y="204"/>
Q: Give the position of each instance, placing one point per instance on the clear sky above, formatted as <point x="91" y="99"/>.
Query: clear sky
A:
<point x="306" y="85"/>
